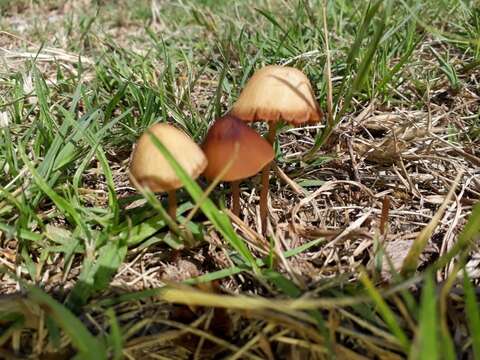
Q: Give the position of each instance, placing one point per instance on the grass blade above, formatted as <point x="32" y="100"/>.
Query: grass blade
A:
<point x="468" y="236"/>
<point x="427" y="333"/>
<point x="410" y="263"/>
<point x="63" y="205"/>
<point x="385" y="311"/>
<point x="88" y="346"/>
<point x="356" y="84"/>
<point x="115" y="336"/>
<point x="472" y="309"/>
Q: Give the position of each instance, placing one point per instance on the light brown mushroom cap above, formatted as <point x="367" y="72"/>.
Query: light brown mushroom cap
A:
<point x="253" y="153"/>
<point x="150" y="168"/>
<point x="277" y="93"/>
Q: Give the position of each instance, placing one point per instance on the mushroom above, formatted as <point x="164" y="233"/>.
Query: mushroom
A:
<point x="149" y="168"/>
<point x="275" y="93"/>
<point x="234" y="152"/>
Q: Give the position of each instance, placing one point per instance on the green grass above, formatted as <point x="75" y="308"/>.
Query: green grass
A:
<point x="74" y="235"/>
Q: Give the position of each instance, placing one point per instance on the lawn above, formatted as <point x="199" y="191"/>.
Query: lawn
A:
<point x="372" y="244"/>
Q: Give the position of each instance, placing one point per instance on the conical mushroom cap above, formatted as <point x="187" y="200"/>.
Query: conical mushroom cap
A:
<point x="150" y="168"/>
<point x="277" y="93"/>
<point x="252" y="154"/>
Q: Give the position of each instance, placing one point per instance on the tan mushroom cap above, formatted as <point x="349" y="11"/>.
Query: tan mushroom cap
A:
<point x="150" y="168"/>
<point x="253" y="153"/>
<point x="277" y="93"/>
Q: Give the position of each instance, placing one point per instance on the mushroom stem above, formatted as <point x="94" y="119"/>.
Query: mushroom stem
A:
<point x="265" y="182"/>
<point x="235" y="186"/>
<point x="172" y="204"/>
<point x="272" y="132"/>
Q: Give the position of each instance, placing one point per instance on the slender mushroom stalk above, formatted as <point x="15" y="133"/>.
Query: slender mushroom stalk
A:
<point x="230" y="142"/>
<point x="150" y="169"/>
<point x="235" y="185"/>
<point x="272" y="132"/>
<point x="273" y="94"/>
<point x="172" y="204"/>
<point x="265" y="182"/>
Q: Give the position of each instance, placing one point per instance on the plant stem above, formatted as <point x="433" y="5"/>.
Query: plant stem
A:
<point x="265" y="182"/>
<point x="172" y="204"/>
<point x="235" y="186"/>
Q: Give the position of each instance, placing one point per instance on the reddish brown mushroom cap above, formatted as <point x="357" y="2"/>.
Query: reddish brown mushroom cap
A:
<point x="150" y="168"/>
<point x="277" y="93"/>
<point x="253" y="152"/>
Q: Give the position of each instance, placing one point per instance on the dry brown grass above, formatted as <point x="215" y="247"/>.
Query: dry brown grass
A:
<point x="388" y="167"/>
